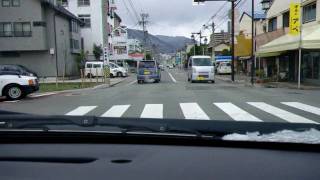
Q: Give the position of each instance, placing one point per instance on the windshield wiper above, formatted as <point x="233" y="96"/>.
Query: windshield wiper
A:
<point x="52" y="123"/>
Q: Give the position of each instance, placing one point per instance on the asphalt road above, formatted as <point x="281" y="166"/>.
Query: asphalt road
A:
<point x="176" y="98"/>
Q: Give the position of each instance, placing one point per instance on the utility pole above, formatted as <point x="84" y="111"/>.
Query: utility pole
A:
<point x="144" y="21"/>
<point x="213" y="40"/>
<point x="232" y="39"/>
<point x="253" y="45"/>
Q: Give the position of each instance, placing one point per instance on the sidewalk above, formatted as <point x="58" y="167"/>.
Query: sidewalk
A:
<point x="246" y="80"/>
<point x="53" y="80"/>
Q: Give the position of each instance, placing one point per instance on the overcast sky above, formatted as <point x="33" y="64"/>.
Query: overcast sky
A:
<point x="176" y="17"/>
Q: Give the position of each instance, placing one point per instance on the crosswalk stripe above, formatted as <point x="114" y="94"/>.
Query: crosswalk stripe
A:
<point x="235" y="112"/>
<point x="81" y="110"/>
<point x="193" y="111"/>
<point x="304" y="107"/>
<point x="152" y="111"/>
<point x="116" y="111"/>
<point x="288" y="116"/>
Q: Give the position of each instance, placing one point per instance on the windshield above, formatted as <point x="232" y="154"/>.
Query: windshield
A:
<point x="202" y="62"/>
<point x="254" y="71"/>
<point x="146" y="64"/>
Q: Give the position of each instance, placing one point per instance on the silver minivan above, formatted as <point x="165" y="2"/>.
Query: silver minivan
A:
<point x="200" y="68"/>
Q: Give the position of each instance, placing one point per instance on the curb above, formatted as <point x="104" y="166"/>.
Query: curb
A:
<point x="100" y="86"/>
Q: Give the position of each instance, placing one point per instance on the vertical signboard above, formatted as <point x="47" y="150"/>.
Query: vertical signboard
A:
<point x="294" y="19"/>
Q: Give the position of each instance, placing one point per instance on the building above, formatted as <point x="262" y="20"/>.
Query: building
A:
<point x="220" y="37"/>
<point x="243" y="46"/>
<point x="279" y="55"/>
<point x="40" y="35"/>
<point x="95" y="15"/>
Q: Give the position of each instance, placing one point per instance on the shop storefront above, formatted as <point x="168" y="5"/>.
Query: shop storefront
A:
<point x="310" y="67"/>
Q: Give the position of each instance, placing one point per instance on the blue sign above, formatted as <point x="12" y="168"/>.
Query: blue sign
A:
<point x="223" y="58"/>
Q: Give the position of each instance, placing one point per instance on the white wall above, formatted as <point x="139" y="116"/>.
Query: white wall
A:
<point x="95" y="33"/>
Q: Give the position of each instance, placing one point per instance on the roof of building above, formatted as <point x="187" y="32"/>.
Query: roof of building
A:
<point x="257" y="16"/>
<point x="60" y="9"/>
<point x="117" y="17"/>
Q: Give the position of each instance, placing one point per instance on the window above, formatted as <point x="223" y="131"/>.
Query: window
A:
<point x="74" y="44"/>
<point x="5" y="3"/>
<point x="272" y="24"/>
<point x="63" y="2"/>
<point x="285" y="19"/>
<point x="309" y="13"/>
<point x="83" y="2"/>
<point x="22" y="29"/>
<point x="15" y="3"/>
<point x="86" y="18"/>
<point x="96" y="65"/>
<point x="89" y="65"/>
<point x="74" y="26"/>
<point x="6" y="30"/>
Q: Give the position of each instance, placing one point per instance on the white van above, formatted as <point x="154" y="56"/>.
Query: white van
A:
<point x="95" y="68"/>
<point x="224" y="68"/>
<point x="200" y="68"/>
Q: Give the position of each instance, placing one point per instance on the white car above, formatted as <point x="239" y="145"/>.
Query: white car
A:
<point x="224" y="68"/>
<point x="118" y="70"/>
<point x="17" y="82"/>
<point x="200" y="68"/>
<point x="95" y="68"/>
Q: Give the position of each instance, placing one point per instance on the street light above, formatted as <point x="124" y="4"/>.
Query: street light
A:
<point x="266" y="4"/>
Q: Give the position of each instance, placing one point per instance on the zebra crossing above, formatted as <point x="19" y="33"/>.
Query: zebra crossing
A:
<point x="193" y="111"/>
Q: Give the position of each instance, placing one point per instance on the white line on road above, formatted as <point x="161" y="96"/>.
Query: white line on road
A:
<point x="235" y="112"/>
<point x="41" y="95"/>
<point x="193" y="111"/>
<point x="304" y="107"/>
<point x="288" y="116"/>
<point x="81" y="110"/>
<point x="174" y="80"/>
<point x="116" y="111"/>
<point x="132" y="82"/>
<point x="152" y="111"/>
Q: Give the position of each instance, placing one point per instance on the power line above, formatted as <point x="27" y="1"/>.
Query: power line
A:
<point x="134" y="10"/>
<point x="128" y="11"/>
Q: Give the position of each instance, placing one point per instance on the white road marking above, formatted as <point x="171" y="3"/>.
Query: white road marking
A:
<point x="152" y="111"/>
<point x="41" y="95"/>
<point x="132" y="82"/>
<point x="288" y="116"/>
<point x="236" y="113"/>
<point x="81" y="110"/>
<point x="304" y="107"/>
<point x="193" y="111"/>
<point x="116" y="111"/>
<point x="174" y="80"/>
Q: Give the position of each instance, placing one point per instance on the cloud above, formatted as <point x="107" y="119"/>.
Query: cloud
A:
<point x="173" y="17"/>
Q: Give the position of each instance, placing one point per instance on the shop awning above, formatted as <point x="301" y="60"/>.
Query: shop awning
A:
<point x="310" y="40"/>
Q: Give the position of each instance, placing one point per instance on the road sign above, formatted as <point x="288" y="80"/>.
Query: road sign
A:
<point x="295" y="19"/>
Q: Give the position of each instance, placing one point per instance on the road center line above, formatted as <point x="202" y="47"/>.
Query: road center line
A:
<point x="288" y="116"/>
<point x="174" y="80"/>
<point x="132" y="82"/>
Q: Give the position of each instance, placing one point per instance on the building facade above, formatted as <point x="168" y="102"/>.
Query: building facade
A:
<point x="94" y="14"/>
<point x="279" y="56"/>
<point x="40" y="35"/>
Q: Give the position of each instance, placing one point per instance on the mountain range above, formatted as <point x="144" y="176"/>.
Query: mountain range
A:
<point x="163" y="44"/>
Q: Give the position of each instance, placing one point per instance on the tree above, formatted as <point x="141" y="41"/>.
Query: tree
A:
<point x="148" y="56"/>
<point x="80" y="59"/>
<point x="226" y="52"/>
<point x="97" y="51"/>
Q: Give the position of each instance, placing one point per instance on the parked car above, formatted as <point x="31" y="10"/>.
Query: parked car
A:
<point x="148" y="70"/>
<point x="16" y="82"/>
<point x="224" y="68"/>
<point x="200" y="68"/>
<point x="171" y="66"/>
<point x="118" y="70"/>
<point x="161" y="66"/>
